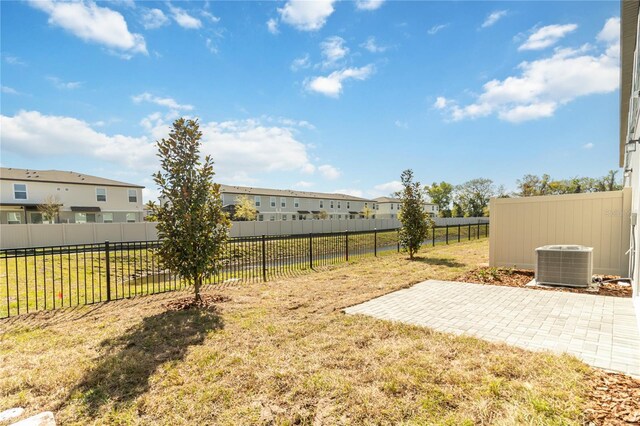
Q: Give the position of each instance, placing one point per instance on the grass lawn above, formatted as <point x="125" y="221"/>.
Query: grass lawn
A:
<point x="282" y="352"/>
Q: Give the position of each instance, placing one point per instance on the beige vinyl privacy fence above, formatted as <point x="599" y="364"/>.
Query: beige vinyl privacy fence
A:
<point x="599" y="220"/>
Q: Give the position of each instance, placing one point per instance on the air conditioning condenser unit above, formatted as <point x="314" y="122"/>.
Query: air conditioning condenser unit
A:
<point x="564" y="265"/>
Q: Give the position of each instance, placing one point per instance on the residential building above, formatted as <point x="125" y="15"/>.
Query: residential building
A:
<point x="629" y="150"/>
<point x="81" y="198"/>
<point x="285" y="204"/>
<point x="388" y="208"/>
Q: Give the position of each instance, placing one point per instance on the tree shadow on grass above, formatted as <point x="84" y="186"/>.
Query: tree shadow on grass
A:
<point x="128" y="361"/>
<point x="438" y="261"/>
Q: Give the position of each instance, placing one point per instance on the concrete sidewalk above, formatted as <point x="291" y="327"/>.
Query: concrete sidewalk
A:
<point x="600" y="330"/>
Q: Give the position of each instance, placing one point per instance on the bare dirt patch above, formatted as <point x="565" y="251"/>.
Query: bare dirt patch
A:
<point x="207" y="301"/>
<point x="509" y="277"/>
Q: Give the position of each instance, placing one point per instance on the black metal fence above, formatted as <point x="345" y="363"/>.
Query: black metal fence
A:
<point x="43" y="278"/>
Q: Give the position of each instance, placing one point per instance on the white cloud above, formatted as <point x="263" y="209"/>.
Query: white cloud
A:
<point x="401" y="124"/>
<point x="210" y="16"/>
<point x="372" y="46"/>
<point x="8" y="90"/>
<point x="31" y="133"/>
<point x="14" y="60"/>
<point x="211" y="45"/>
<point x="368" y="4"/>
<point x="329" y="172"/>
<point x="272" y="26"/>
<point x="610" y="33"/>
<point x="165" y="102"/>
<point x="331" y="85"/>
<point x="547" y="36"/>
<point x="241" y="148"/>
<point x="543" y="85"/>
<point x="441" y="102"/>
<point x="64" y="85"/>
<point x="333" y="49"/>
<point x="93" y="23"/>
<point x="153" y="18"/>
<point x="588" y="146"/>
<point x="183" y="18"/>
<point x="303" y="184"/>
<point x="352" y="192"/>
<point x="493" y="18"/>
<point x="436" y="29"/>
<point x="300" y="63"/>
<point x="389" y="187"/>
<point x="306" y="15"/>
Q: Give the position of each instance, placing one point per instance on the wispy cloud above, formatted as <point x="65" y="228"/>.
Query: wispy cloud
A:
<point x="64" y="85"/>
<point x="306" y="15"/>
<point x="493" y="17"/>
<point x="272" y="26"/>
<point x="368" y="4"/>
<point x="184" y="19"/>
<point x="372" y="46"/>
<point x="547" y="36"/>
<point x="300" y="63"/>
<point x="436" y="29"/>
<point x="164" y="102"/>
<point x="332" y="84"/>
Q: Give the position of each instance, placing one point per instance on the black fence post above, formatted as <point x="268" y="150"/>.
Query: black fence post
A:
<point x="478" y="233"/>
<point x="433" y="234"/>
<point x="375" y="242"/>
<point x="446" y="234"/>
<point x="108" y="266"/>
<point x="264" y="258"/>
<point x="458" y="232"/>
<point x="398" y="235"/>
<point x="346" y="244"/>
<point x="310" y="251"/>
<point x="486" y="229"/>
<point x="469" y="232"/>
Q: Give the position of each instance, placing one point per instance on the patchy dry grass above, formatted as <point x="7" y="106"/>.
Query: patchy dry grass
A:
<point x="283" y="353"/>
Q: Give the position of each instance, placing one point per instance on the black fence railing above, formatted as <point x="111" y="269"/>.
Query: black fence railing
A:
<point x="43" y="278"/>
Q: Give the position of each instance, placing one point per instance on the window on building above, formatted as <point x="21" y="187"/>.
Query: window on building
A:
<point x="331" y="204"/>
<point x="321" y="204"/>
<point x="35" y="217"/>
<point x="391" y="206"/>
<point x="131" y="217"/>
<point x="294" y="217"/>
<point x="272" y="218"/>
<point x="284" y="217"/>
<point x="338" y="204"/>
<point x="257" y="200"/>
<point x="283" y="202"/>
<point x="339" y="216"/>
<point x="272" y="201"/>
<point x="296" y="202"/>
<point x="260" y="218"/>
<point x="20" y="191"/>
<point x="14" y="218"/>
<point x="348" y="205"/>
<point x="101" y="194"/>
<point x="392" y="216"/>
<point x="107" y="217"/>
<point x="85" y="218"/>
<point x="133" y="196"/>
<point x="330" y="216"/>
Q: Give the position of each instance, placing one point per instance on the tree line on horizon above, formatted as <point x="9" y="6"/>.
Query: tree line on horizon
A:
<point x="471" y="199"/>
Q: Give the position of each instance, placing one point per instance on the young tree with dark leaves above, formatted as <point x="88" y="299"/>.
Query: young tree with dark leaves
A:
<point x="415" y="220"/>
<point x="192" y="226"/>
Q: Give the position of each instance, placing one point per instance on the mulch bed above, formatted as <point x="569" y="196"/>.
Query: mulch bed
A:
<point x="614" y="399"/>
<point x="521" y="277"/>
<point x="206" y="301"/>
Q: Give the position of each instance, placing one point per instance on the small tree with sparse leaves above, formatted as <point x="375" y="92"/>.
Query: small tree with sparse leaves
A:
<point x="366" y="212"/>
<point x="245" y="209"/>
<point x="50" y="208"/>
<point x="192" y="226"/>
<point x="416" y="222"/>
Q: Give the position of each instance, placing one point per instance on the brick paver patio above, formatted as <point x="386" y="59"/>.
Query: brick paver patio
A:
<point x="600" y="330"/>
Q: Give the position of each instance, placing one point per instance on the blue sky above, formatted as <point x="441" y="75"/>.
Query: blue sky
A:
<point x="322" y="96"/>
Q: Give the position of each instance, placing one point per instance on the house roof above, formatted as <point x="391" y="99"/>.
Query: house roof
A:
<point x="59" y="176"/>
<point x="628" y="37"/>
<point x="387" y="200"/>
<point x="230" y="189"/>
